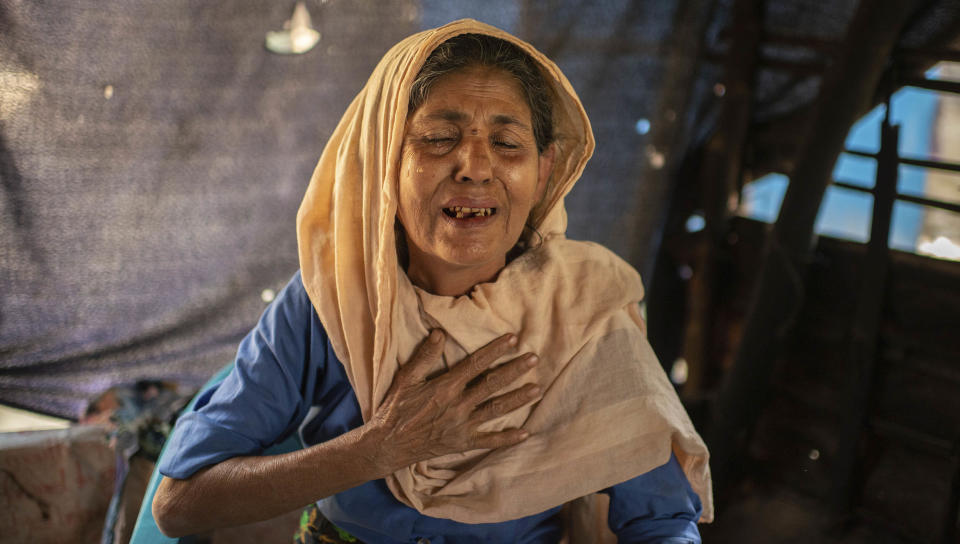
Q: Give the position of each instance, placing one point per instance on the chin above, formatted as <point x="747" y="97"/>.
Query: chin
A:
<point x="467" y="257"/>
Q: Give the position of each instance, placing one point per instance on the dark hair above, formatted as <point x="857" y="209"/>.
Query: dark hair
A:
<point x="481" y="50"/>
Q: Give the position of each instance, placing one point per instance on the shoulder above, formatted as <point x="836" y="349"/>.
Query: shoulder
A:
<point x="586" y="270"/>
<point x="294" y="294"/>
<point x="588" y="253"/>
<point x="291" y="308"/>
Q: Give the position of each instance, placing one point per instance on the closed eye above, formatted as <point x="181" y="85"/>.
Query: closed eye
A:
<point x="439" y="144"/>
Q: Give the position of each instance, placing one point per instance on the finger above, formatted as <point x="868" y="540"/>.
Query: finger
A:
<point x="422" y="362"/>
<point x="500" y="439"/>
<point x="506" y="403"/>
<point x="480" y="360"/>
<point x="495" y="380"/>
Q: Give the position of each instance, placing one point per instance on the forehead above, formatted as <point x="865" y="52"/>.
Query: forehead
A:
<point x="491" y="89"/>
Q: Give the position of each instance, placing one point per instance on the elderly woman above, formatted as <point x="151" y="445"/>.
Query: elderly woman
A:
<point x="455" y="368"/>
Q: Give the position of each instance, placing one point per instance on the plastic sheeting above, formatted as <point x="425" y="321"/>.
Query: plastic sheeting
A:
<point x="153" y="155"/>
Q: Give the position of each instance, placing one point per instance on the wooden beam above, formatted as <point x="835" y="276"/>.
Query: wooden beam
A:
<point x="949" y="530"/>
<point x="949" y="206"/>
<point x="933" y="84"/>
<point x="847" y="91"/>
<point x="864" y="334"/>
<point x="930" y="54"/>
<point x="940" y="165"/>
<point x="720" y="185"/>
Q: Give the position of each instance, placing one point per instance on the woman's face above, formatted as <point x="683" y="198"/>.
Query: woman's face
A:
<point x="469" y="175"/>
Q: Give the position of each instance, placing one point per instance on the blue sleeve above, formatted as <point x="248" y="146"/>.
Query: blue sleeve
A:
<point x="264" y="397"/>
<point x="656" y="507"/>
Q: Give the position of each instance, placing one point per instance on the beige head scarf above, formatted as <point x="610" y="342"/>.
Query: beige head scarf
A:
<point x="608" y="413"/>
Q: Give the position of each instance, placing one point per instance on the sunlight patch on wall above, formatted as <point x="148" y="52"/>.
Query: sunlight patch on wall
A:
<point x="15" y="419"/>
<point x="16" y="90"/>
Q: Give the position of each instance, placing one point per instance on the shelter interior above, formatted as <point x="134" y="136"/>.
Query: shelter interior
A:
<point x="796" y="218"/>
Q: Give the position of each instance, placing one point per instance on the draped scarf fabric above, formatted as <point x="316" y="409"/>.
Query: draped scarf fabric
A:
<point x="608" y="412"/>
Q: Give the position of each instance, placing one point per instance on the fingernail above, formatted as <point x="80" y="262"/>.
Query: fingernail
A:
<point x="532" y="360"/>
<point x="524" y="435"/>
<point x="533" y="391"/>
<point x="436" y="335"/>
<point x="512" y="340"/>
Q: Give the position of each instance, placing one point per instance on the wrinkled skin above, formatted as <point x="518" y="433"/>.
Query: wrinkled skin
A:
<point x="470" y="143"/>
<point x="419" y="419"/>
<point x="424" y="418"/>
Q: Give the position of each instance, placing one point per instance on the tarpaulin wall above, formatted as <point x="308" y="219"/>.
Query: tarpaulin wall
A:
<point x="153" y="155"/>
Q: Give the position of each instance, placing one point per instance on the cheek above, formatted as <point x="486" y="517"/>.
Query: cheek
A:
<point x="410" y="207"/>
<point x="524" y="189"/>
<point x="415" y="193"/>
<point x="407" y="183"/>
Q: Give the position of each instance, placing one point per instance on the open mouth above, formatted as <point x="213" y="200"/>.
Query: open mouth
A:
<point x="462" y="212"/>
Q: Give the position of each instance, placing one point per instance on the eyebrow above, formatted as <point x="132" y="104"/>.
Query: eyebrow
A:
<point x="455" y="116"/>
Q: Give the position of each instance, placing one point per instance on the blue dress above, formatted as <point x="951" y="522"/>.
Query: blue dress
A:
<point x="288" y="381"/>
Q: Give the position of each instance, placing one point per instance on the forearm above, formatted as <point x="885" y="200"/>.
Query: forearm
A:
<point x="419" y="419"/>
<point x="248" y="489"/>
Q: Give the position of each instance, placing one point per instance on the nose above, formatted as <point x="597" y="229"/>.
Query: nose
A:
<point x="474" y="164"/>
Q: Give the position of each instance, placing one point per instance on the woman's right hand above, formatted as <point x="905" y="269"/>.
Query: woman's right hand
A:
<point x="424" y="416"/>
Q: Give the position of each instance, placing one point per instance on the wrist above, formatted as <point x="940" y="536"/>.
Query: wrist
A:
<point x="380" y="456"/>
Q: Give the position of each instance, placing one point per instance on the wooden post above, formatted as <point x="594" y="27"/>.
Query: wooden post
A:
<point x="847" y="91"/>
<point x="720" y="177"/>
<point x="952" y="512"/>
<point x="866" y="325"/>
